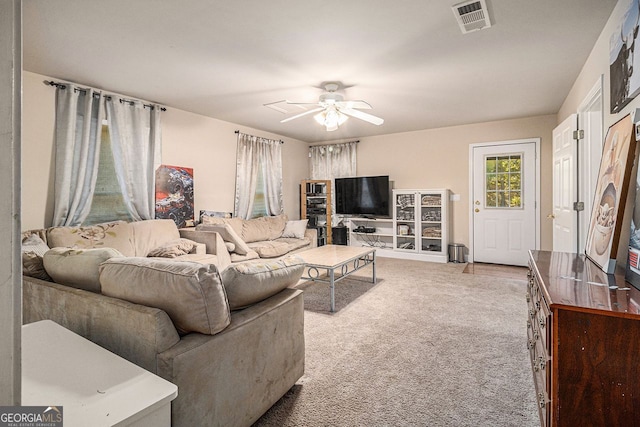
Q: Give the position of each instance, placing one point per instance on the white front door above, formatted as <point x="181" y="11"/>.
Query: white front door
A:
<point x="565" y="218"/>
<point x="504" y="202"/>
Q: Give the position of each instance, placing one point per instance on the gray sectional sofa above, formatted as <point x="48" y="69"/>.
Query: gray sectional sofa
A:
<point x="229" y="335"/>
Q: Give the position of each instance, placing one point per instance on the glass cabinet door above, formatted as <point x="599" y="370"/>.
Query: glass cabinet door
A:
<point x="431" y="222"/>
<point x="405" y="214"/>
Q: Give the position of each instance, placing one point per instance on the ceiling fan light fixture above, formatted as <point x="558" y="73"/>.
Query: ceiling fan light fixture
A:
<point x="331" y="119"/>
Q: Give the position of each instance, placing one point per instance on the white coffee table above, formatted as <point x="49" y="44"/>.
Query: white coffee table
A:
<point x="344" y="260"/>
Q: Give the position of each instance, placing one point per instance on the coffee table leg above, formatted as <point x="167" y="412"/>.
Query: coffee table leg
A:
<point x="332" y="285"/>
<point x="374" y="268"/>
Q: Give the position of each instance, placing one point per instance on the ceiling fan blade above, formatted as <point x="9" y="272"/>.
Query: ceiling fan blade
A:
<point x="302" y="114"/>
<point x="362" y="116"/>
<point x="301" y="103"/>
<point x="362" y="105"/>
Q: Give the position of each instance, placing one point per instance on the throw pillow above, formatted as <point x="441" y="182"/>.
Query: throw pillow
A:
<point x="189" y="292"/>
<point x="117" y="235"/>
<point x="295" y="229"/>
<point x="250" y="282"/>
<point x="33" y="249"/>
<point x="174" y="248"/>
<point x="78" y="268"/>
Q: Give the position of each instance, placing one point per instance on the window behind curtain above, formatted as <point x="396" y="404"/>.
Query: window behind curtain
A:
<point x="259" y="202"/>
<point x="107" y="204"/>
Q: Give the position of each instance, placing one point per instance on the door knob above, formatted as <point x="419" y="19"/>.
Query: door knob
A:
<point x="477" y="210"/>
<point x="551" y="216"/>
<point x="477" y="202"/>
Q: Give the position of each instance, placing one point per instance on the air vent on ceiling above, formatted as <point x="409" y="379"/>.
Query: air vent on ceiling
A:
<point x="472" y="15"/>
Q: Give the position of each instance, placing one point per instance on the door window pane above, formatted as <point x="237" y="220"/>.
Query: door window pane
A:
<point x="503" y="181"/>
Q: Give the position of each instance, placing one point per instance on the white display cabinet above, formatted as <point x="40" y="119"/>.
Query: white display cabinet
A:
<point x="421" y="223"/>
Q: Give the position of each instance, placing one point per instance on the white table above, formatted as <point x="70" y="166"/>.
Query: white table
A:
<point x="348" y="259"/>
<point x="94" y="386"/>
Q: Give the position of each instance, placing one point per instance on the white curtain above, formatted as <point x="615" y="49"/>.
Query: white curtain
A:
<point x="134" y="129"/>
<point x="333" y="161"/>
<point x="256" y="156"/>
<point x="77" y="140"/>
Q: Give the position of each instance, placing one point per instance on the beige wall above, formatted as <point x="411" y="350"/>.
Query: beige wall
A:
<point x="439" y="158"/>
<point x="207" y="145"/>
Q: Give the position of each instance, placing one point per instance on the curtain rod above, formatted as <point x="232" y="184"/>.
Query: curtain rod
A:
<point x="319" y="144"/>
<point x="237" y="131"/>
<point x="123" y="100"/>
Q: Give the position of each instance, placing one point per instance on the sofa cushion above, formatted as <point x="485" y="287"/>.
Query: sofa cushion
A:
<point x="174" y="248"/>
<point x="78" y="268"/>
<point x="33" y="250"/>
<point x="250" y="282"/>
<point x="295" y="229"/>
<point x="151" y="234"/>
<point x="263" y="228"/>
<point x="117" y="235"/>
<point x="278" y="247"/>
<point x="190" y="293"/>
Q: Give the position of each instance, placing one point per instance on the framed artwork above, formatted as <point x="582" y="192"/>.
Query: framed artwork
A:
<point x="624" y="83"/>
<point x="174" y="194"/>
<point x="603" y="235"/>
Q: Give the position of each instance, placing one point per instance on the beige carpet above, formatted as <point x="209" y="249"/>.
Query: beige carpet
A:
<point x="426" y="346"/>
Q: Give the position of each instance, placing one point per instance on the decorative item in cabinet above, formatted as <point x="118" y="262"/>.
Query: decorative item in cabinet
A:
<point x="432" y="232"/>
<point x="404" y="230"/>
<point x="431" y="214"/>
<point x="431" y="200"/>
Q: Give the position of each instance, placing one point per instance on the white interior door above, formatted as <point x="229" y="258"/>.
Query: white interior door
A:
<point x="504" y="202"/>
<point x="565" y="218"/>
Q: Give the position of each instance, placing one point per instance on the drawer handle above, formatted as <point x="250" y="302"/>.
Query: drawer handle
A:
<point x="528" y="324"/>
<point x="532" y="312"/>
<point x="528" y="297"/>
<point x="542" y="362"/>
<point x="531" y="344"/>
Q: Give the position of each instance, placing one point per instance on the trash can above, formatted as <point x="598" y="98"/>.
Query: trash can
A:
<point x="456" y="252"/>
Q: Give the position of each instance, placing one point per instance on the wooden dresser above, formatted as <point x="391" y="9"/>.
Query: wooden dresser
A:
<point x="584" y="341"/>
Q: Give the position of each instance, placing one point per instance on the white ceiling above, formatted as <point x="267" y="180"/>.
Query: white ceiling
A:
<point x="408" y="58"/>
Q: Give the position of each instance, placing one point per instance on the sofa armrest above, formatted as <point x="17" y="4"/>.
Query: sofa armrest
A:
<point x="312" y="235"/>
<point x="213" y="241"/>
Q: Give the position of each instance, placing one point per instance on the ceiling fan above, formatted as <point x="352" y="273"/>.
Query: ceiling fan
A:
<point x="332" y="110"/>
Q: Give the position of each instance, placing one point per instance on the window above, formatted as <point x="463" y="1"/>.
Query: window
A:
<point x="107" y="204"/>
<point x="259" y="202"/>
<point x="503" y="181"/>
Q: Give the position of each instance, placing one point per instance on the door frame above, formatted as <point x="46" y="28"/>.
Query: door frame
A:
<point x="584" y="159"/>
<point x="537" y="184"/>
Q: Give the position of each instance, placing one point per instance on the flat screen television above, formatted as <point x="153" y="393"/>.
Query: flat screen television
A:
<point x="363" y="195"/>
